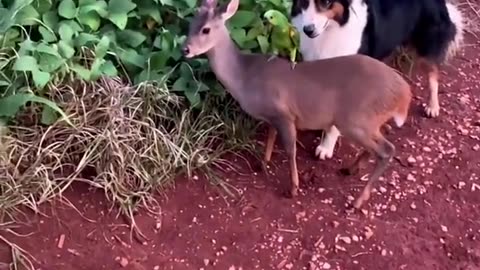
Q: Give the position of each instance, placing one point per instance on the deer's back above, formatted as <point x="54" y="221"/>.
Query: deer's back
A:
<point x="320" y="91"/>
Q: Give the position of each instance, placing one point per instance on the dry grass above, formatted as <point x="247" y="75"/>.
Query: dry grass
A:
<point x="127" y="141"/>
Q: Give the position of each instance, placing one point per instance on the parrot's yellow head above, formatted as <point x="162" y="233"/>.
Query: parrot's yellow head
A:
<point x="276" y="18"/>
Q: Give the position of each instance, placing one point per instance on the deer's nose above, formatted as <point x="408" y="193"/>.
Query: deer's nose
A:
<point x="185" y="50"/>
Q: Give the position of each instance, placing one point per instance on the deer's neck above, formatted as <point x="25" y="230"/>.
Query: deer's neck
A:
<point x="226" y="62"/>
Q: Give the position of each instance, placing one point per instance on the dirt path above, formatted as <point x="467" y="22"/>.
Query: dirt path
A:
<point x="424" y="215"/>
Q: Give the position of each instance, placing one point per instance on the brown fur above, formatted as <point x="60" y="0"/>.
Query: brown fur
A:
<point x="355" y="93"/>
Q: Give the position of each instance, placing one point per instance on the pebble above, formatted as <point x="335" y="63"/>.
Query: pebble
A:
<point x="411" y="160"/>
<point x="410" y="177"/>
<point x="123" y="262"/>
<point x="326" y="266"/>
<point x="413" y="206"/>
<point x="444" y="228"/>
<point x="346" y="239"/>
<point x="393" y="208"/>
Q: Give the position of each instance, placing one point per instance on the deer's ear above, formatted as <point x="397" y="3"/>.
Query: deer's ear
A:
<point x="228" y="10"/>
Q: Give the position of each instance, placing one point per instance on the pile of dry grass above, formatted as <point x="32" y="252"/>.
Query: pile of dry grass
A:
<point x="127" y="141"/>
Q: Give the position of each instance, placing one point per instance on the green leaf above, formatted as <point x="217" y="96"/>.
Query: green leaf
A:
<point x="118" y="12"/>
<point x="90" y="19"/>
<point x="27" y="16"/>
<point x="98" y="7"/>
<point x="239" y="36"/>
<point x="181" y="84"/>
<point x="67" y="9"/>
<point x="102" y="47"/>
<point x="49" y="63"/>
<point x="40" y="78"/>
<point x="11" y="105"/>
<point x="47" y="35"/>
<point x="193" y="97"/>
<point x="82" y="72"/>
<point x="45" y="48"/>
<point x="25" y="63"/>
<point x="42" y="6"/>
<point x="148" y="8"/>
<point x="158" y="60"/>
<point x="242" y="18"/>
<point x="119" y="19"/>
<point x="131" y="38"/>
<point x="66" y="32"/>
<point x="191" y="3"/>
<point x="109" y="69"/>
<point x="50" y="18"/>
<point x="83" y="39"/>
<point x="120" y="6"/>
<point x="65" y="50"/>
<point x="131" y="56"/>
<point x="49" y="116"/>
<point x="95" y="71"/>
<point x="263" y="42"/>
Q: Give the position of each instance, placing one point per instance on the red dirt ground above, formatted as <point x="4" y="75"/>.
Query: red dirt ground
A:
<point x="424" y="215"/>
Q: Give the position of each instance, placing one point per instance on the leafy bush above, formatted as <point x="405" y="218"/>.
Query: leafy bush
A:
<point x="47" y="42"/>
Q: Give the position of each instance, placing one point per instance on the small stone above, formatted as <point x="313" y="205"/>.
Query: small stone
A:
<point x="280" y="239"/>
<point x="393" y="208"/>
<point x="326" y="266"/>
<point x="413" y="206"/>
<point x="411" y="160"/>
<point x="123" y="262"/>
<point x="427" y="149"/>
<point x="355" y="238"/>
<point x="476" y="147"/>
<point x="206" y="262"/>
<point x="461" y="185"/>
<point x="384" y="252"/>
<point x="415" y="220"/>
<point x="410" y="177"/>
<point x="368" y="233"/>
<point x="346" y="239"/>
<point x="289" y="266"/>
<point x="350" y="198"/>
<point x="335" y="224"/>
<point x="382" y="190"/>
<point x="321" y="190"/>
<point x="444" y="228"/>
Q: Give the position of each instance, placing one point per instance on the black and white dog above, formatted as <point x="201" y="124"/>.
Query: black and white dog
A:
<point x="330" y="28"/>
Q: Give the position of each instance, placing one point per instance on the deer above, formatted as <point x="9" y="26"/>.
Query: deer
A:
<point x="356" y="94"/>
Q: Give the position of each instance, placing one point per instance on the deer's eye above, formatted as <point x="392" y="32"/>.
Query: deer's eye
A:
<point x="205" y="31"/>
<point x="328" y="3"/>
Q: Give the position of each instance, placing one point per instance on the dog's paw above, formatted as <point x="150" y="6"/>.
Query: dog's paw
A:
<point x="432" y="110"/>
<point x="324" y="151"/>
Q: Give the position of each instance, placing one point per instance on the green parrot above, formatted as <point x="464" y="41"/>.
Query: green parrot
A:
<point x="284" y="38"/>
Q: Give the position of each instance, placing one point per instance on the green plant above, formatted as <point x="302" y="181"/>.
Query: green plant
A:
<point x="45" y="42"/>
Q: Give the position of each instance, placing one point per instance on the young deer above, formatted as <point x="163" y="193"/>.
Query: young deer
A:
<point x="355" y="93"/>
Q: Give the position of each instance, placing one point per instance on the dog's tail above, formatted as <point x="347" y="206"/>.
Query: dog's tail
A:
<point x="457" y="19"/>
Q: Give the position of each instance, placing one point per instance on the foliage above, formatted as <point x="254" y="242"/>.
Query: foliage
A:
<point x="45" y="42"/>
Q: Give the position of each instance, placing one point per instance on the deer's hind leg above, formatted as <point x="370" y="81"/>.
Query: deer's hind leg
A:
<point x="383" y="150"/>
